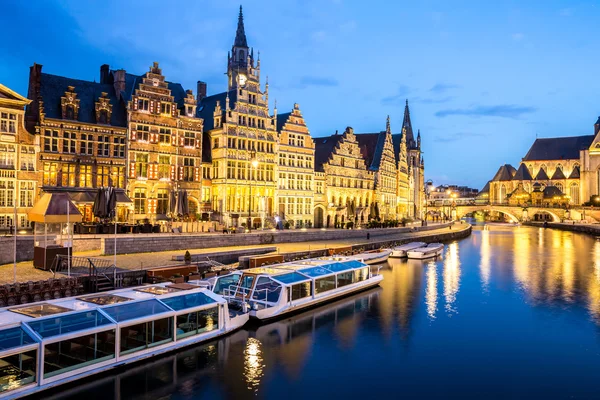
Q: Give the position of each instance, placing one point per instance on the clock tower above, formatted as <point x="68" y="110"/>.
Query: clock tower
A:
<point x="240" y="61"/>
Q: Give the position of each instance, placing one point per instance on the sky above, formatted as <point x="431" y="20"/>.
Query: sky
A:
<point x="483" y="78"/>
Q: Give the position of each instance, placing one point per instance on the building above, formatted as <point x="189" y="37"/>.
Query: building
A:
<point x="18" y="161"/>
<point x="81" y="127"/>
<point x="416" y="167"/>
<point x="295" y="170"/>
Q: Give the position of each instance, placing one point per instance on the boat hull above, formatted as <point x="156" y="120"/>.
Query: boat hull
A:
<point x="402" y="251"/>
<point x="374" y="258"/>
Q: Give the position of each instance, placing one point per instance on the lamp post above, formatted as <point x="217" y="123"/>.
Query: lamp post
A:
<point x="254" y="164"/>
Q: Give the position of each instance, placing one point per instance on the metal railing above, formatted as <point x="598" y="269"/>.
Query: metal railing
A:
<point x="98" y="270"/>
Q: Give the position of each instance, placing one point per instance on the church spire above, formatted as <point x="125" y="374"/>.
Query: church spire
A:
<point x="418" y="139"/>
<point x="240" y="34"/>
<point x="407" y="126"/>
<point x="387" y="125"/>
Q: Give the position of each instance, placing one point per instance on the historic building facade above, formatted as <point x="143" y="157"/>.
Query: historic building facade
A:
<point x="18" y="161"/>
<point x="82" y="131"/>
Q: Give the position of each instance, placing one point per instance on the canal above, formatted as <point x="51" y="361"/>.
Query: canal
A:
<point x="505" y="313"/>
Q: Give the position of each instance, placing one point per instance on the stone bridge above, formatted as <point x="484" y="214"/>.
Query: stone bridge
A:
<point x="518" y="213"/>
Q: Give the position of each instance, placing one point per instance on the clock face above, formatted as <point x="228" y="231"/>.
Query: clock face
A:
<point x="241" y="78"/>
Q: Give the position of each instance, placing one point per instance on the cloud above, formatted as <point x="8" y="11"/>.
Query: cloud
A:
<point x="501" y="111"/>
<point x="441" y="87"/>
<point x="431" y="100"/>
<point x="454" y="137"/>
<point x="565" y="12"/>
<point x="309" y="80"/>
<point x="319" y="36"/>
<point x="517" y="36"/>
<point x="398" y="98"/>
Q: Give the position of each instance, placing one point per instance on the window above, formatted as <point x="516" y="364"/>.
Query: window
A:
<point x="139" y="201"/>
<point x="164" y="167"/>
<point x="86" y="144"/>
<point x="143" y="133"/>
<point x="118" y="177"/>
<point x="68" y="175"/>
<point x="119" y="147"/>
<point x="324" y="284"/>
<point x="70" y="112"/>
<point x="103" y="146"/>
<point x="8" y="122"/>
<point x="188" y="169"/>
<point x="230" y="169"/>
<point x="144" y="335"/>
<point x="189" y="139"/>
<point x="69" y="142"/>
<point x="27" y="191"/>
<point x="103" y="176"/>
<point x="216" y="144"/>
<point x="103" y="117"/>
<point x="85" y="176"/>
<point x="27" y="158"/>
<point x="143" y="104"/>
<point x="49" y="176"/>
<point x="165" y="108"/>
<point x="300" y="291"/>
<point x="141" y="165"/>
<point x="8" y="156"/>
<point x="51" y="141"/>
<point x="162" y="201"/>
<point x="7" y="193"/>
<point x="197" y="322"/>
<point x="6" y="221"/>
<point x="164" y="136"/>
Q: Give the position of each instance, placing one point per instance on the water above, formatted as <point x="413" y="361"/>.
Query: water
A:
<point x="505" y="313"/>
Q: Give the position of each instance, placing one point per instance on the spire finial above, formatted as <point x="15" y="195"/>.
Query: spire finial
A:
<point x="240" y="34"/>
<point x="387" y="125"/>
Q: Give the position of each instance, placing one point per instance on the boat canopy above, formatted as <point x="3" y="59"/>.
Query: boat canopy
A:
<point x="291" y="278"/>
<point x="137" y="310"/>
<point x="14" y="338"/>
<point x="188" y="301"/>
<point x="69" y="323"/>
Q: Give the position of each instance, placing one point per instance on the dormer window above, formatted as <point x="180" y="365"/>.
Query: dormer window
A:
<point x="143" y="104"/>
<point x="165" y="108"/>
<point x="103" y="117"/>
<point x="8" y="122"/>
<point x="70" y="112"/>
<point x="190" y="111"/>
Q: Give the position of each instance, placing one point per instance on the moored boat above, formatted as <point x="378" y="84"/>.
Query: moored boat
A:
<point x="505" y="224"/>
<point x="400" y="251"/>
<point x="49" y="343"/>
<point x="431" y="250"/>
<point x="372" y="257"/>
<point x="276" y="290"/>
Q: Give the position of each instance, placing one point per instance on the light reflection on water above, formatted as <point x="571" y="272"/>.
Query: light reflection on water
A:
<point x="500" y="315"/>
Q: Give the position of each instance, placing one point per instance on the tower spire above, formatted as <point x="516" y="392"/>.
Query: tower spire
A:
<point x="387" y="125"/>
<point x="240" y="34"/>
<point x="418" y="139"/>
<point x="407" y="126"/>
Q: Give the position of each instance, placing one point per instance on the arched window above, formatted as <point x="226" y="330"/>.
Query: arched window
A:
<point x="559" y="186"/>
<point x="502" y="196"/>
<point x="574" y="193"/>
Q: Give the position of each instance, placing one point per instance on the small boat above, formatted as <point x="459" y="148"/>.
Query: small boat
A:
<point x="505" y="224"/>
<point x="372" y="257"/>
<point x="400" y="251"/>
<point x="53" y="342"/>
<point x="276" y="290"/>
<point x="431" y="250"/>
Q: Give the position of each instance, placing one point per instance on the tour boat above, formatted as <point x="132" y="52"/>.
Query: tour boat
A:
<point x="374" y="256"/>
<point x="431" y="250"/>
<point x="400" y="251"/>
<point x="49" y="343"/>
<point x="276" y="290"/>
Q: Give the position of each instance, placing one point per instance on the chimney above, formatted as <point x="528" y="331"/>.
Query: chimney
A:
<point x="201" y="91"/>
<point x="119" y="77"/>
<point x="104" y="73"/>
<point x="32" y="112"/>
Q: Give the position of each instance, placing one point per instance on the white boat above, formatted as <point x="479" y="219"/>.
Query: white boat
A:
<point x="431" y="250"/>
<point x="505" y="224"/>
<point x="372" y="257"/>
<point x="400" y="251"/>
<point x="276" y="290"/>
<point x="49" y="343"/>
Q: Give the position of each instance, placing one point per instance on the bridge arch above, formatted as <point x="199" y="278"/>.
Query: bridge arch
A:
<point x="533" y="211"/>
<point x="505" y="212"/>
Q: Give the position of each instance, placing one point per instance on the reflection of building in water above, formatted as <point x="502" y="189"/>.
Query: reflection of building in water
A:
<point x="431" y="291"/>
<point x="594" y="285"/>
<point x="484" y="264"/>
<point x="451" y="276"/>
<point x="401" y="295"/>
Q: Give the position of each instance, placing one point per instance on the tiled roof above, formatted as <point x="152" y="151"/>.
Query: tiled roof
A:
<point x="206" y="147"/>
<point x="282" y="119"/>
<point x="397" y="141"/>
<point x="208" y="104"/>
<point x="505" y="173"/>
<point x="523" y="174"/>
<point x="562" y="148"/>
<point x="551" y="191"/>
<point x="371" y="148"/>
<point x="53" y="87"/>
<point x="558" y="174"/>
<point x="486" y="189"/>
<point x="541" y="175"/>
<point x="575" y="174"/>
<point x="132" y="82"/>
<point x="324" y="147"/>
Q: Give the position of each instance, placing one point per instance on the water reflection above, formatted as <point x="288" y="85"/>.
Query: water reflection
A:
<point x="253" y="363"/>
<point x="485" y="263"/>
<point x="451" y="277"/>
<point x="431" y="294"/>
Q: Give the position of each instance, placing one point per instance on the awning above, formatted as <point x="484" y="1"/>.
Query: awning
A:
<point x="52" y="208"/>
<point x="81" y="197"/>
<point x="122" y="197"/>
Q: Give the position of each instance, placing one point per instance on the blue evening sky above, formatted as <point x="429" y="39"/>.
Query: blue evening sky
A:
<point x="482" y="77"/>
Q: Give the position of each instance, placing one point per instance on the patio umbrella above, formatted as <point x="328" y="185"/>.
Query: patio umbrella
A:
<point x="100" y="203"/>
<point x="376" y="210"/>
<point x="185" y="207"/>
<point x="172" y="202"/>
<point x="111" y="204"/>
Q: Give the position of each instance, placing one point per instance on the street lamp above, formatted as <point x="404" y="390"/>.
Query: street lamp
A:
<point x="254" y="164"/>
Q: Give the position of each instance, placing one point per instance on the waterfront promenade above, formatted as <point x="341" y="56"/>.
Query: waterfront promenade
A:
<point x="26" y="271"/>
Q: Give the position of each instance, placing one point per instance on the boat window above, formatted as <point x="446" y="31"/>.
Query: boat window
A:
<point x="337" y="267"/>
<point x="315" y="271"/>
<point x="292" y="277"/>
<point x="345" y="278"/>
<point x="247" y="281"/>
<point x="14" y="337"/>
<point x="129" y="311"/>
<point x="224" y="282"/>
<point x="324" y="284"/>
<point x="266" y="290"/>
<point x="191" y="300"/>
<point x="17" y="370"/>
<point x="300" y="291"/>
<point x="197" y="322"/>
<point x="142" y="336"/>
<point x="40" y="310"/>
<point x="361" y="274"/>
<point x="104" y="299"/>
<point x="61" y="325"/>
<point x="78" y="352"/>
<point x="354" y="263"/>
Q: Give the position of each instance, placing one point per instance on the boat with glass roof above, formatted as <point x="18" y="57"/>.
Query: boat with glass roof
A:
<point x="272" y="291"/>
<point x="49" y="343"/>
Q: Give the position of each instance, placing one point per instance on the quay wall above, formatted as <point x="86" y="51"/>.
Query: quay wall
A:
<point x="25" y="246"/>
<point x="590" y="229"/>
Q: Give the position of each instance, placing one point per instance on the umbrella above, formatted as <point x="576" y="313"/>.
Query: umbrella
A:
<point x="172" y="202"/>
<point x="100" y="203"/>
<point x="111" y="204"/>
<point x="185" y="206"/>
<point x="376" y="210"/>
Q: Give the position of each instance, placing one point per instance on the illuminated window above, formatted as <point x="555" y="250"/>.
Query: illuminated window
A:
<point x="8" y="156"/>
<point x="139" y="201"/>
<point x="26" y="193"/>
<point x="164" y="167"/>
<point x="86" y="144"/>
<point x="7" y="193"/>
<point x="103" y="176"/>
<point x="49" y="176"/>
<point x="119" y="147"/>
<point x="8" y="122"/>
<point x="143" y="133"/>
<point x="27" y="158"/>
<point x="68" y="175"/>
<point x="141" y="165"/>
<point x="85" y="176"/>
<point x="162" y="201"/>
<point x="164" y="136"/>
<point x="103" y="146"/>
